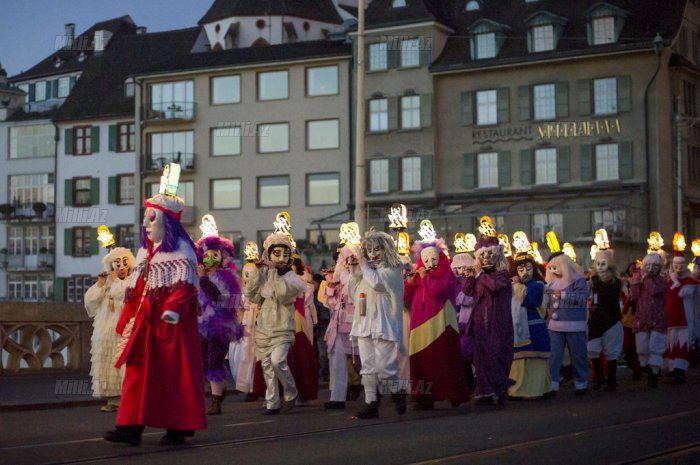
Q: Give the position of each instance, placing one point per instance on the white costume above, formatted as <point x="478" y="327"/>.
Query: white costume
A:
<point x="241" y="355"/>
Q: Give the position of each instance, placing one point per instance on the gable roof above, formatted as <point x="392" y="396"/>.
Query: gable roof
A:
<point x="318" y="10"/>
<point x="381" y="13"/>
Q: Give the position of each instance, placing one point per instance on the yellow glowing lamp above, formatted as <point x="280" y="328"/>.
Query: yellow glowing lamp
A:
<point x="521" y="243"/>
<point x="403" y="246"/>
<point x="170" y="179"/>
<point x="655" y="242"/>
<point x="679" y="242"/>
<point x="398" y="217"/>
<point x="470" y="239"/>
<point x="250" y="251"/>
<point x="105" y="237"/>
<point x="208" y="227"/>
<point x="569" y="251"/>
<point x="535" y="253"/>
<point x="460" y="243"/>
<point x="427" y="231"/>
<point x="594" y="251"/>
<point x="486" y="227"/>
<point x="601" y="239"/>
<point x="350" y="234"/>
<point x="695" y="247"/>
<point x="552" y="242"/>
<point x="503" y="240"/>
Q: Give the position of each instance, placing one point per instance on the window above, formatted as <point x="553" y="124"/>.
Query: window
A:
<point x="604" y="30"/>
<point x="225" y="193"/>
<point x="15" y="240"/>
<point x="77" y="286"/>
<point x="398" y="3"/>
<point x="273" y="138"/>
<point x="379" y="176"/>
<point x="129" y="88"/>
<point x="485" y="45"/>
<point x="31" y="240"/>
<point x="47" y="240"/>
<point x="323" y="134"/>
<point x="378" y="56"/>
<point x="32" y="141"/>
<point x="613" y="221"/>
<point x="473" y="5"/>
<point x="488" y="169"/>
<point x="545" y="101"/>
<point x="126" y="137"/>
<point x="545" y="166"/>
<point x="323" y="189"/>
<point x="27" y="189"/>
<point x="40" y="91"/>
<point x="185" y="190"/>
<point x="410" y="174"/>
<point x="410" y="53"/>
<point x="542" y="223"/>
<point x="82" y="140"/>
<point x="542" y="38"/>
<point x="273" y="191"/>
<point x="225" y="89"/>
<point x="486" y="107"/>
<point x="81" y="242"/>
<point x="82" y="192"/>
<point x="689" y="106"/>
<point x="378" y="115"/>
<point x="169" y="147"/>
<point x="226" y="141"/>
<point x="605" y="96"/>
<point x="173" y="99"/>
<point x="322" y="80"/>
<point x="63" y="87"/>
<point x="125" y="189"/>
<point x="125" y="236"/>
<point x="694" y="164"/>
<point x="606" y="164"/>
<point x="30" y="287"/>
<point x="273" y="85"/>
<point x="410" y="112"/>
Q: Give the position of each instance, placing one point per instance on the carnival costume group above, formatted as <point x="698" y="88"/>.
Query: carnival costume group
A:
<point x="493" y="323"/>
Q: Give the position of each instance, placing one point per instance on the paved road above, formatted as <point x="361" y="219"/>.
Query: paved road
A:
<point x="633" y="425"/>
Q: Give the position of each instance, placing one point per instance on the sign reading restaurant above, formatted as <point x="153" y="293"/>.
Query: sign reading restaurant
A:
<point x="546" y="131"/>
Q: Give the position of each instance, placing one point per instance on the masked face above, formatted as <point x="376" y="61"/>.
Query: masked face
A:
<point x="525" y="272"/>
<point x="374" y="253"/>
<point x="678" y="267"/>
<point x="487" y="259"/>
<point x="153" y="222"/>
<point x="279" y="256"/>
<point x="430" y="257"/>
<point x="554" y="269"/>
<point x="121" y="266"/>
<point x="652" y="269"/>
<point x="601" y="265"/>
<point x="464" y="271"/>
<point x="211" y="259"/>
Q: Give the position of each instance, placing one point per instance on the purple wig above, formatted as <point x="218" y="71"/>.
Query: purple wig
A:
<point x="174" y="231"/>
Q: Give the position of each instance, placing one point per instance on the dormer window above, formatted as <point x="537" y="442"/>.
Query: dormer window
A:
<point x="604" y="30"/>
<point x="543" y="31"/>
<point x="129" y="87"/>
<point x="398" y="3"/>
<point x="473" y="5"/>
<point x="605" y="22"/>
<point x="486" y="39"/>
<point x="81" y="57"/>
<point x="485" y="45"/>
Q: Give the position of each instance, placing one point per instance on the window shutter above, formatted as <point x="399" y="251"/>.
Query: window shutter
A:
<point x="562" y="98"/>
<point x="589" y="33"/>
<point x="68" y="141"/>
<point x="425" y="53"/>
<point x="426" y="172"/>
<point x="392" y="54"/>
<point x="59" y="290"/>
<point x="95" y="139"/>
<point x="469" y="180"/>
<point x="586" y="162"/>
<point x="584" y="97"/>
<point x="426" y="110"/>
<point x="68" y="242"/>
<point x="368" y="177"/>
<point x="472" y="47"/>
<point x="624" y="93"/>
<point x="529" y="40"/>
<point x="503" y="104"/>
<point x="68" y="192"/>
<point x="524" y="103"/>
<point x="94" y="191"/>
<point x="468" y="108"/>
<point x="49" y="89"/>
<point x="55" y="88"/>
<point x="392" y="105"/>
<point x="525" y="167"/>
<point x="563" y="164"/>
<point x="94" y="243"/>
<point x="32" y="92"/>
<point x="626" y="160"/>
<point x="367" y="113"/>
<point x="504" y="170"/>
<point x="73" y="79"/>
<point x="112" y="137"/>
<point x="112" y="189"/>
<point x="394" y="174"/>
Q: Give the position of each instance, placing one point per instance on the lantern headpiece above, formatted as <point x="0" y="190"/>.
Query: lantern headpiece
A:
<point x="166" y="200"/>
<point x="398" y="217"/>
<point x="552" y="242"/>
<point x="427" y="231"/>
<point x="505" y="243"/>
<point x="655" y="242"/>
<point x="208" y="227"/>
<point x="104" y="236"/>
<point x="350" y="234"/>
<point x="535" y="253"/>
<point x="601" y="239"/>
<point x="679" y="245"/>
<point x="403" y="247"/>
<point x="569" y="251"/>
<point x="251" y="252"/>
<point x="522" y="245"/>
<point x="486" y="227"/>
<point x="461" y="245"/>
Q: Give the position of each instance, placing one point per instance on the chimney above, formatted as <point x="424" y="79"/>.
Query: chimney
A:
<point x="141" y="30"/>
<point x="101" y="40"/>
<point x="70" y="34"/>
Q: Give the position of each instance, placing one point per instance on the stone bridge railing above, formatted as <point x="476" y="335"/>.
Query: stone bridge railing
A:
<point x="44" y="338"/>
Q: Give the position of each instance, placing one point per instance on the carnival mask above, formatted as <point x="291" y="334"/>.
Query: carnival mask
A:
<point x="153" y="223"/>
<point x="678" y="267"/>
<point x="280" y="256"/>
<point x="554" y="269"/>
<point x="374" y="253"/>
<point x="652" y="269"/>
<point x="121" y="266"/>
<point x="525" y="272"/>
<point x="487" y="258"/>
<point x="465" y="271"/>
<point x="601" y="265"/>
<point x="211" y="259"/>
<point x="430" y="257"/>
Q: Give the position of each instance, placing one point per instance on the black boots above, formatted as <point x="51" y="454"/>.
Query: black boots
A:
<point x="370" y="410"/>
<point x="598" y="370"/>
<point x="653" y="380"/>
<point x="175" y="437"/>
<point x="399" y="400"/>
<point x="125" y="434"/>
<point x="600" y="380"/>
<point x="215" y="406"/>
<point x="612" y="377"/>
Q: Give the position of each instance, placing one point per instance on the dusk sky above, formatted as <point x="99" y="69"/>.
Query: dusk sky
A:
<point x="29" y="27"/>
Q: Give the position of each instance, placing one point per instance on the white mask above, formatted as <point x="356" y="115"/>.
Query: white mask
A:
<point x="153" y="222"/>
<point x="121" y="266"/>
<point x="430" y="257"/>
<point x="601" y="265"/>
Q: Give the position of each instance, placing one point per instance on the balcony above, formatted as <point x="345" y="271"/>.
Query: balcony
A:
<point x="156" y="162"/>
<point x="168" y="111"/>
<point x="37" y="262"/>
<point x="25" y="213"/>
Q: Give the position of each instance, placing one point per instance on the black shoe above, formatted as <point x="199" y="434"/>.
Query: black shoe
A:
<point x="399" y="400"/>
<point x="354" y="391"/>
<point x="171" y="439"/>
<point x="250" y="397"/>
<point x="271" y="411"/>
<point x="598" y="370"/>
<point x="424" y="404"/>
<point x="370" y="410"/>
<point x="549" y="395"/>
<point x="334" y="405"/>
<point x="580" y="392"/>
<point x="121" y="436"/>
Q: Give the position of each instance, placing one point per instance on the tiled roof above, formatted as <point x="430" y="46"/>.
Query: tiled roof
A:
<point x="318" y="10"/>
<point x="381" y="13"/>
<point x="123" y="25"/>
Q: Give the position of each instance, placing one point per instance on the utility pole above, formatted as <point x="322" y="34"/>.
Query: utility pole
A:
<point x="360" y="210"/>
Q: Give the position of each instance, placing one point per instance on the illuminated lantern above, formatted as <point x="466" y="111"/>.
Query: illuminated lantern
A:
<point x="486" y="227"/>
<point x="283" y="225"/>
<point x="535" y="252"/>
<point x="601" y="239"/>
<point x="170" y="179"/>
<point x="679" y="243"/>
<point x="105" y="237"/>
<point x="250" y="251"/>
<point x="655" y="242"/>
<point x="569" y="251"/>
<point x="404" y="244"/>
<point x="398" y="217"/>
<point x="350" y="234"/>
<point x="503" y="240"/>
<point x="552" y="242"/>
<point x="460" y="244"/>
<point x="521" y="242"/>
<point x="427" y="231"/>
<point x="208" y="227"/>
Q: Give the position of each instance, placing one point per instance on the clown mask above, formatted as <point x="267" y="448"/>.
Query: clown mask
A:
<point x="554" y="269"/>
<point x="430" y="257"/>
<point x="374" y="253"/>
<point x="121" y="266"/>
<point x="280" y="256"/>
<point x="488" y="258"/>
<point x="211" y="259"/>
<point x="153" y="223"/>
<point x="652" y="269"/>
<point x="525" y="271"/>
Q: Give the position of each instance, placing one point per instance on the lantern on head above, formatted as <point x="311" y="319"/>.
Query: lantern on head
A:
<point x="503" y="240"/>
<point x="105" y="237"/>
<point x="427" y="231"/>
<point x="398" y="217"/>
<point x="208" y="227"/>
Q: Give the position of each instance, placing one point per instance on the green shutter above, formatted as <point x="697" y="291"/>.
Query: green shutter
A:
<point x="529" y="40"/>
<point x="68" y="242"/>
<point x="32" y="92"/>
<point x="524" y="103"/>
<point x="95" y="139"/>
<point x="49" y="90"/>
<point x="468" y="108"/>
<point x="112" y="137"/>
<point x="562" y="98"/>
<point x="68" y="192"/>
<point x="503" y="104"/>
<point x="59" y="290"/>
<point x="425" y="53"/>
<point x="368" y="177"/>
<point x="626" y="160"/>
<point x="393" y="54"/>
<point x="563" y="164"/>
<point x="624" y="93"/>
<point x="68" y="141"/>
<point x="94" y="191"/>
<point x="472" y="47"/>
<point x="525" y="167"/>
<point x="94" y="243"/>
<point x="584" y="97"/>
<point x="392" y="104"/>
<point x="589" y="32"/>
<point x="55" y="88"/>
<point x="112" y="189"/>
<point x="469" y="175"/>
<point x="504" y="169"/>
<point x="426" y="172"/>
<point x="426" y="110"/>
<point x="73" y="79"/>
<point x="367" y="113"/>
<point x="394" y="174"/>
<point x="586" y="163"/>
